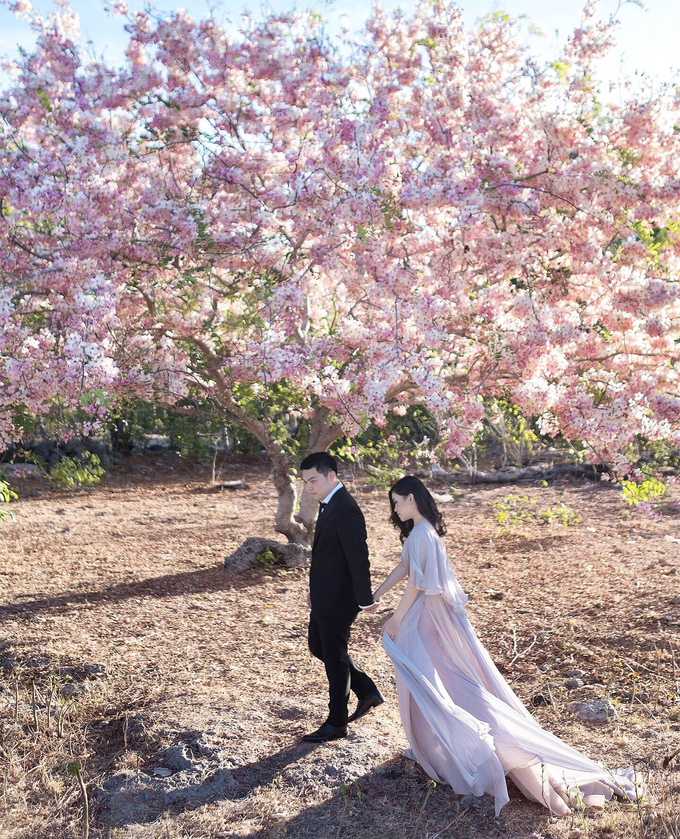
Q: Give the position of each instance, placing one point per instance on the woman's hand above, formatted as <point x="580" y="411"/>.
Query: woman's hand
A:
<point x="391" y="627"/>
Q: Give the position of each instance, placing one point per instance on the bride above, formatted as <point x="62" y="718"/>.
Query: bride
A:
<point x="465" y="725"/>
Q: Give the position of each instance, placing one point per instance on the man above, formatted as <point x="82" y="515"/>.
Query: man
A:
<point x="339" y="586"/>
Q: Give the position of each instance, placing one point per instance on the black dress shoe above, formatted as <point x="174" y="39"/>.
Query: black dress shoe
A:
<point x="326" y="732"/>
<point x="365" y="705"/>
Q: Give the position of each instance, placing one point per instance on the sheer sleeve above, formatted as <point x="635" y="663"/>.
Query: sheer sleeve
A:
<point x="429" y="568"/>
<point x="424" y="571"/>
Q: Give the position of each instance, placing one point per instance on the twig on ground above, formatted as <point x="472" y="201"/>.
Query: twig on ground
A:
<point x="450" y="824"/>
<point x="524" y="652"/>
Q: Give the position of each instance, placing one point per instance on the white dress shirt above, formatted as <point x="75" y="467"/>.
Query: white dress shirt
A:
<point x="332" y="492"/>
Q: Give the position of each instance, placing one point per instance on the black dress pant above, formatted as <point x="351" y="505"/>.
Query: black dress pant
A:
<point x="328" y="638"/>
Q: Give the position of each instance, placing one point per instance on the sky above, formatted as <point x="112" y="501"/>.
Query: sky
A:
<point x="647" y="37"/>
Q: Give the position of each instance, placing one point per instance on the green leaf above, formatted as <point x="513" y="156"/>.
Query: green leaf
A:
<point x="44" y="99"/>
<point x="561" y="68"/>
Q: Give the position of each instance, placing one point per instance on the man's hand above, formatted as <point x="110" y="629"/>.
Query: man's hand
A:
<point x="372" y="608"/>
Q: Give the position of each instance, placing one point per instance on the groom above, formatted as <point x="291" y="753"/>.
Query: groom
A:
<point x="339" y="586"/>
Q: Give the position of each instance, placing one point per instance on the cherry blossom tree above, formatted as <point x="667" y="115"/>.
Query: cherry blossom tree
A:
<point x="423" y="215"/>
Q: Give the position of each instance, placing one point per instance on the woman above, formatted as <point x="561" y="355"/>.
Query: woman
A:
<point x="464" y="723"/>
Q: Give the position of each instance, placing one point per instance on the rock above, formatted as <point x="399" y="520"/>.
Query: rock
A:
<point x="575" y="673"/>
<point x="75" y="447"/>
<point x="540" y="699"/>
<point x="231" y="485"/>
<point x="544" y="667"/>
<point x="52" y="451"/>
<point x="200" y="745"/>
<point x="163" y="771"/>
<point x="157" y="443"/>
<point x="447" y="498"/>
<point x="593" y="709"/>
<point x="647" y="733"/>
<point x="94" y="670"/>
<point x="21" y="470"/>
<point x="676" y="601"/>
<point x="180" y="757"/>
<point x="287" y="555"/>
<point x="194" y="756"/>
<point x="497" y="595"/>
<point x="572" y="684"/>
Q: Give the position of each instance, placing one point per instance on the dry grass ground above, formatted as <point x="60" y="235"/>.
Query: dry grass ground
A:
<point x="130" y="575"/>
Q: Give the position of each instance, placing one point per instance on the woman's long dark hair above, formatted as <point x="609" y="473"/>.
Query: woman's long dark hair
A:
<point x="424" y="502"/>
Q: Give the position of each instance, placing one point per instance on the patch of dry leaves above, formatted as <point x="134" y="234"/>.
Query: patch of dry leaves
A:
<point x="130" y="575"/>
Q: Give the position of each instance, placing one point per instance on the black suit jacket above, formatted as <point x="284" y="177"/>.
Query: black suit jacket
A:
<point x="339" y="577"/>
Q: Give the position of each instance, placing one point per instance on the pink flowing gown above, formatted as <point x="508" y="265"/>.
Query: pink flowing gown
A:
<point x="464" y="723"/>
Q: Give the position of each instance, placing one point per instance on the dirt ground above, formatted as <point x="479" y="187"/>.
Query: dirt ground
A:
<point x="214" y="666"/>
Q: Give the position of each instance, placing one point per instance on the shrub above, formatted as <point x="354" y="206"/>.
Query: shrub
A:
<point x="70" y="472"/>
<point x="6" y="495"/>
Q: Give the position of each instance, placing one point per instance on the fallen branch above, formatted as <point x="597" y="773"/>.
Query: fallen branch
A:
<point x="378" y="472"/>
<point x="524" y="652"/>
<point x="535" y="472"/>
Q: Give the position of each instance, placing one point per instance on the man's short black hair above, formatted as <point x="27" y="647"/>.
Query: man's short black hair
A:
<point x="321" y="461"/>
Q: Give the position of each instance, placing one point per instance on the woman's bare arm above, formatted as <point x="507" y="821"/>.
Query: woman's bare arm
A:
<point x="396" y="574"/>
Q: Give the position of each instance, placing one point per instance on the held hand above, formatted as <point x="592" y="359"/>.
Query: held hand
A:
<point x="372" y="608"/>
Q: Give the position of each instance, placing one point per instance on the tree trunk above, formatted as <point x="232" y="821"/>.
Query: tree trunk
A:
<point x="286" y="489"/>
<point x="322" y="435"/>
<point x="297" y="529"/>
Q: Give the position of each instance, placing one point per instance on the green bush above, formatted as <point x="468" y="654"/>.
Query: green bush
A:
<point x="70" y="472"/>
<point x="560" y="514"/>
<point x="640" y="492"/>
<point x="6" y="495"/>
<point x="514" y="509"/>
